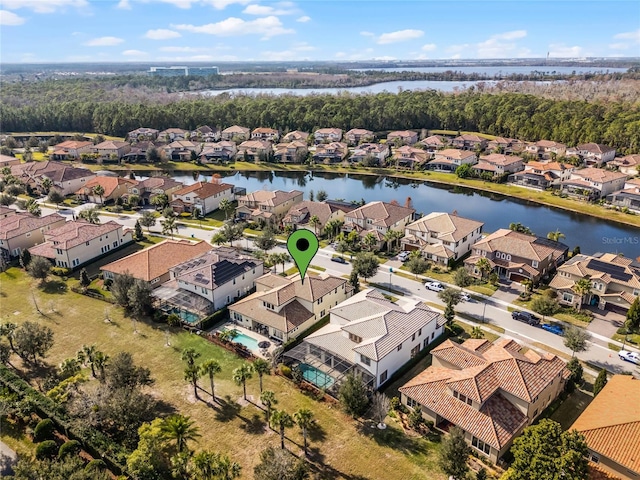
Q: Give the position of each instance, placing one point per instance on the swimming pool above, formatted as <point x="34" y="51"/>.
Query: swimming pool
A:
<point x="315" y="376"/>
<point x="247" y="341"/>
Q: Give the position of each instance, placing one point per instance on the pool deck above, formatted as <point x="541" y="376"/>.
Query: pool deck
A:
<point x="256" y="336"/>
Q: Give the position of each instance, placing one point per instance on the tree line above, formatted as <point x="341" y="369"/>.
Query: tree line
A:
<point x="526" y="117"/>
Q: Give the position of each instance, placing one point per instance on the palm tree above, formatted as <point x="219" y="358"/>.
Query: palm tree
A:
<point x="168" y="226"/>
<point x="304" y="419"/>
<point x="240" y="376"/>
<point x="261" y="367"/>
<point x="284" y="258"/>
<point x="484" y="266"/>
<point x="189" y="355"/>
<point x="69" y="367"/>
<point x="99" y="190"/>
<point x="211" y="368"/>
<point x="204" y="465"/>
<point x="91" y="215"/>
<point x="281" y="420"/>
<point x="582" y="287"/>
<point x="476" y="332"/>
<point x="556" y="236"/>
<point x="180" y="429"/>
<point x="389" y="237"/>
<point x="369" y="241"/>
<point x="314" y="221"/>
<point x="226" y="206"/>
<point x="268" y="399"/>
<point x="100" y="361"/>
<point x="192" y="374"/>
<point x="218" y="238"/>
<point x="86" y="356"/>
<point x="225" y="469"/>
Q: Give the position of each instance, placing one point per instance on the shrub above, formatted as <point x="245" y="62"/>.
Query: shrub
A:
<point x="415" y="418"/>
<point x="296" y="375"/>
<point x="285" y="370"/>
<point x="72" y="447"/>
<point x="395" y="403"/>
<point x="46" y="449"/>
<point x="429" y="424"/>
<point x="96" y="464"/>
<point x="107" y="283"/>
<point x="60" y="271"/>
<point x="44" y="430"/>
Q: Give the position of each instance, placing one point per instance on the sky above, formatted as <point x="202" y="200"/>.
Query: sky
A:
<point x="37" y="31"/>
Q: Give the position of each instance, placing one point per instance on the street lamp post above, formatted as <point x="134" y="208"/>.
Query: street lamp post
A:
<point x="484" y="308"/>
<point x="390" y="273"/>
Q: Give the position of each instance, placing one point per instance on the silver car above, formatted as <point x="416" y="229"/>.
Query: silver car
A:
<point x="628" y="356"/>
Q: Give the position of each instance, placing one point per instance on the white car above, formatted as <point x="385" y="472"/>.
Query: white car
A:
<point x="435" y="286"/>
<point x="632" y="357"/>
<point x="402" y="256"/>
<point x="465" y="297"/>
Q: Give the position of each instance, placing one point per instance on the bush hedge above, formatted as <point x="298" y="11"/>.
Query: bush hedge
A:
<point x="72" y="447"/>
<point x="44" y="430"/>
<point x="96" y="464"/>
<point x="46" y="449"/>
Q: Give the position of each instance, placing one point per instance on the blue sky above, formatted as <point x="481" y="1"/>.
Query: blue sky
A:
<point x="247" y="30"/>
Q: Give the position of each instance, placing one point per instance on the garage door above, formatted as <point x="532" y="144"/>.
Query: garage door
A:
<point x="612" y="307"/>
<point x="517" y="278"/>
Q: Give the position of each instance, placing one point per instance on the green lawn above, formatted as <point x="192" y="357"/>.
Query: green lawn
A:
<point x="447" y="277"/>
<point x="349" y="449"/>
<point x="569" y="410"/>
<point x="565" y="314"/>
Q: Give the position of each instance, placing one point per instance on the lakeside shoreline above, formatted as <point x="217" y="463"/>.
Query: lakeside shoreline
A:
<point x="535" y="196"/>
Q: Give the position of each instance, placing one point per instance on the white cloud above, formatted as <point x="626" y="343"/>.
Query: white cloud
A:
<point x="384" y="58"/>
<point x="429" y="47"/>
<point x="232" y="26"/>
<point x="43" y="6"/>
<point x="161" y="34"/>
<point x="9" y="18"/>
<point x="367" y="34"/>
<point x="181" y="49"/>
<point x="513" y="35"/>
<point x="134" y="53"/>
<point x="104" y="42"/>
<point x="619" y="46"/>
<point x="399" y="36"/>
<point x="631" y="39"/>
<point x="255" y="9"/>
<point x="222" y="4"/>
<point x="303" y="19"/>
<point x="124" y="5"/>
<point x="499" y="45"/>
<point x="199" y="58"/>
<point x="561" y="50"/>
<point x="340" y="54"/>
<point x="635" y="36"/>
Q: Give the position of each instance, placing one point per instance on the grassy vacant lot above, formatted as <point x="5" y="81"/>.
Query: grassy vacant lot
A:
<point x="342" y="448"/>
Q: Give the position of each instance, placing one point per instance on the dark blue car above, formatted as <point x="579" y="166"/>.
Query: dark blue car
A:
<point x="553" y="328"/>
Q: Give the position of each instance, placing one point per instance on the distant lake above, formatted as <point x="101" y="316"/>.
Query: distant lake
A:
<point x="496" y="211"/>
<point x="504" y="70"/>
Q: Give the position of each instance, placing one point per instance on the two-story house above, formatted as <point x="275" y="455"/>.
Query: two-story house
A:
<point x="409" y="157"/>
<point x="296" y="135"/>
<point x="21" y="230"/>
<point x="236" y="133"/>
<point x="222" y="151"/>
<point x="172" y="134"/>
<point x="628" y="197"/>
<point x="301" y="214"/>
<point x="181" y="150"/>
<point x="517" y="256"/>
<point x="152" y="264"/>
<point x="334" y="152"/>
<point x="367" y="334"/>
<point x="378" y="218"/>
<point x="71" y="150"/>
<point x="615" y="281"/>
<point x="377" y="153"/>
<point x="264" y="133"/>
<point x="142" y="134"/>
<point x="469" y="141"/>
<point x="497" y="164"/>
<point x="255" y="150"/>
<point x="327" y="135"/>
<point x="111" y="150"/>
<point x="542" y="175"/>
<point x="433" y="143"/>
<point x="593" y="183"/>
<point x="442" y="237"/>
<point x="284" y="307"/>
<point x="402" y="137"/>
<point x="449" y="159"/>
<point x="150" y="187"/>
<point x="546" y="149"/>
<point x="208" y="282"/>
<point x="205" y="134"/>
<point x="65" y="178"/>
<point x="202" y="196"/>
<point x="266" y="206"/>
<point x="490" y="390"/>
<point x="112" y="189"/>
<point x="506" y="146"/>
<point x="138" y="151"/>
<point x="593" y="154"/>
<point x="629" y="164"/>
<point x="295" y="151"/>
<point x="356" y="136"/>
<point x="79" y="242"/>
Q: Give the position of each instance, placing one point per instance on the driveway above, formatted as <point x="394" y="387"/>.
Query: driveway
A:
<point x="8" y="458"/>
<point x="605" y="323"/>
<point x="508" y="291"/>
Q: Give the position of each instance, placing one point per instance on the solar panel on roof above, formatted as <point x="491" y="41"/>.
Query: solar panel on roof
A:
<point x="615" y="271"/>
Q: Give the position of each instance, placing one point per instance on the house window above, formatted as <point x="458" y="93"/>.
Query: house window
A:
<point x="433" y="334"/>
<point x="75" y="262"/>
<point x="355" y="338"/>
<point x="411" y="402"/>
<point x="535" y="412"/>
<point x="87" y="244"/>
<point x="28" y="234"/>
<point x="425" y="342"/>
<point x="567" y="297"/>
<point x="399" y="347"/>
<point x="365" y="360"/>
<point x="383" y="377"/>
<point x="59" y="251"/>
<point x="415" y="350"/>
<point x="480" y="445"/>
<point x="534" y="264"/>
<point x="594" y="458"/>
<point x="413" y="337"/>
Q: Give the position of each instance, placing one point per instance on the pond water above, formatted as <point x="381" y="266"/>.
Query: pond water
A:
<point x="496" y="211"/>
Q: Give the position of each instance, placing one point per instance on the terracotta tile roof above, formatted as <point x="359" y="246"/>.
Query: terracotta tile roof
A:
<point x="548" y="166"/>
<point x="401" y="134"/>
<point x="520" y="244"/>
<point x="359" y="131"/>
<point x="182" y="144"/>
<point x="55" y="171"/>
<point x="45" y="250"/>
<point x="236" y="129"/>
<point x="8" y="160"/>
<point x="265" y="130"/>
<point x="73" y="144"/>
<point x="178" y="131"/>
<point x="598" y="175"/>
<point x="595" y="267"/>
<point x="203" y="189"/>
<point x="74" y="233"/>
<point x="338" y="148"/>
<point x="110" y="145"/>
<point x="282" y="148"/>
<point x="408" y="152"/>
<point x="4" y="211"/>
<point x="153" y="183"/>
<point x="595" y="148"/>
<point x="436" y="140"/>
<point x="109" y="184"/>
<point x="381" y="213"/>
<point x="266" y="197"/>
<point x="369" y="148"/>
<point x="329" y="131"/>
<point x="550" y="144"/>
<point x="499" y="159"/>
<point x="626" y="161"/>
<point x="612" y="421"/>
<point x="448" y="227"/>
<point x="296" y="135"/>
<point x="291" y="316"/>
<point x="469" y="137"/>
<point x="307" y="209"/>
<point x="255" y="145"/>
<point x="454" y="153"/>
<point x="156" y="260"/>
<point x="22" y="222"/>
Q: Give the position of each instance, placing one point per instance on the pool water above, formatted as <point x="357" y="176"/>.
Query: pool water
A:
<point x="247" y="341"/>
<point x="315" y="376"/>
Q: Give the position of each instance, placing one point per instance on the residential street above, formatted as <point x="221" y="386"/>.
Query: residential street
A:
<point x="492" y="309"/>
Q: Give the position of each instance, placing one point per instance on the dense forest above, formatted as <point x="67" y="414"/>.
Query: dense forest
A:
<point x="508" y="114"/>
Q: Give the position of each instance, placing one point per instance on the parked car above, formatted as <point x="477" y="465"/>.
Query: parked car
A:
<point x="334" y="245"/>
<point x="339" y="260"/>
<point x="403" y="256"/>
<point x="464" y="297"/>
<point x="525" y="317"/>
<point x="435" y="286"/>
<point x="553" y="328"/>
<point x="627" y="356"/>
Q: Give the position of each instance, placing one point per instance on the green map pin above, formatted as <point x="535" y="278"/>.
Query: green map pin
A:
<point x="303" y="246"/>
